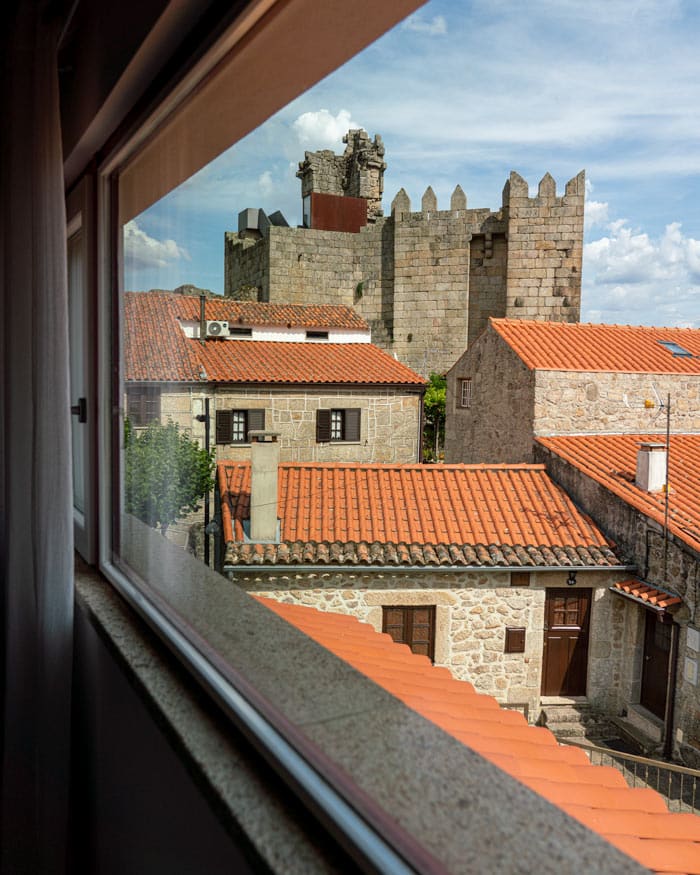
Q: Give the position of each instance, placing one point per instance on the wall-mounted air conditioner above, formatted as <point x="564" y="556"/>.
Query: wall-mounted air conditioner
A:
<point x="217" y="329"/>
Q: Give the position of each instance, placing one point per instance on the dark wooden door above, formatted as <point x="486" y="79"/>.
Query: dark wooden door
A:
<point x="565" y="658"/>
<point x="412" y="625"/>
<point x="657" y="649"/>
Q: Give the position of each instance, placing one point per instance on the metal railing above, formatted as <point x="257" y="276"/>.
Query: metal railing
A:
<point x="679" y="785"/>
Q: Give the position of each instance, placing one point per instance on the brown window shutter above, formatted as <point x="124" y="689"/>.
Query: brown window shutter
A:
<point x="323" y="426"/>
<point x="256" y="420"/>
<point x="352" y="424"/>
<point x="224" y="426"/>
<point x="515" y="640"/>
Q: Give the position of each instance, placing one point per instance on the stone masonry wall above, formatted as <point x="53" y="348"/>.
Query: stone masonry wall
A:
<point x="497" y="427"/>
<point x="569" y="402"/>
<point x="246" y="266"/>
<point x="545" y="249"/>
<point x="427" y="280"/>
<point x="473" y="610"/>
<point x="641" y="542"/>
<point x="389" y="421"/>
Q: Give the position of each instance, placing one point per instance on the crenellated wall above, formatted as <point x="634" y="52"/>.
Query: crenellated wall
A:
<point x="426" y="280"/>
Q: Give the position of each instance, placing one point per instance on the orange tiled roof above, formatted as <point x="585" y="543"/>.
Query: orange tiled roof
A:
<point x="564" y="346"/>
<point x="611" y="459"/>
<point x="634" y="820"/>
<point x="414" y="515"/>
<point x="156" y="349"/>
<point x="645" y="594"/>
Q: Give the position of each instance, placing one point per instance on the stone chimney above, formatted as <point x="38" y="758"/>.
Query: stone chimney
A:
<point x="651" y="467"/>
<point x="265" y="459"/>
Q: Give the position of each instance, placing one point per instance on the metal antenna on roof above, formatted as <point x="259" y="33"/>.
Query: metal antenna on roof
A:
<point x="666" y="488"/>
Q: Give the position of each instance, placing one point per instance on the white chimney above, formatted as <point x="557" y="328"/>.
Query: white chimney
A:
<point x="265" y="459"/>
<point x="651" y="467"/>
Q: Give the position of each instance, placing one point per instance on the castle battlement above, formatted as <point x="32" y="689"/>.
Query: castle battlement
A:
<point x="426" y="280"/>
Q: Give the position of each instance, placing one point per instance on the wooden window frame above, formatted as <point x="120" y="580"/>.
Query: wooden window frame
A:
<point x="351" y="425"/>
<point x="140" y="405"/>
<point x="224" y="425"/>
<point x="465" y="397"/>
<point x="406" y="637"/>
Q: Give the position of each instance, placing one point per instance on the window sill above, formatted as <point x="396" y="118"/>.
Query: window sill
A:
<point x="460" y="807"/>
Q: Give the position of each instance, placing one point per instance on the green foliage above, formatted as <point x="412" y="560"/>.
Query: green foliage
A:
<point x="165" y="473"/>
<point x="434" y="406"/>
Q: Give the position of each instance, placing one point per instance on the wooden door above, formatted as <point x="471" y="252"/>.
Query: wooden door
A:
<point x="657" y="649"/>
<point x="565" y="657"/>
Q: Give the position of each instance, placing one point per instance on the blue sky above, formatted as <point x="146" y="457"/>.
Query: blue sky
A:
<point x="464" y="93"/>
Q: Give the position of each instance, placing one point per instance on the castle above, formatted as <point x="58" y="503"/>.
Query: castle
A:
<point x="426" y="281"/>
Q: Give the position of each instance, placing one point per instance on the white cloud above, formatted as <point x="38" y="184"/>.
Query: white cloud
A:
<point x="266" y="184"/>
<point x="596" y="213"/>
<point x="142" y="251"/>
<point x="631" y="277"/>
<point x="321" y="129"/>
<point x="436" y="27"/>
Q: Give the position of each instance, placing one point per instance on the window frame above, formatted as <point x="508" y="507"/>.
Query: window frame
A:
<point x="144" y="401"/>
<point x="350" y="428"/>
<point x="249" y="414"/>
<point x="465" y="383"/>
<point x="409" y="612"/>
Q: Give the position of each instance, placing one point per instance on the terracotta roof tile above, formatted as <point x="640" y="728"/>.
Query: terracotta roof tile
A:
<point x="432" y="515"/>
<point x="157" y="350"/>
<point x="611" y="461"/>
<point x="642" y="592"/>
<point x="636" y="821"/>
<point x="565" y="346"/>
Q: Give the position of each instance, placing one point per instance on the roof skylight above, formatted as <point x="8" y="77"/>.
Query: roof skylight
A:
<point x="676" y="349"/>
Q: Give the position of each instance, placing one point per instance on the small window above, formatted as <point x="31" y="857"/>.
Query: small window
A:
<point x="414" y="625"/>
<point x="676" y="349"/>
<point x="143" y="404"/>
<point x="338" y="425"/>
<point x="317" y="335"/>
<point x="306" y="211"/>
<point x="465" y="392"/>
<point x="235" y="331"/>
<point x="520" y="578"/>
<point x="234" y="426"/>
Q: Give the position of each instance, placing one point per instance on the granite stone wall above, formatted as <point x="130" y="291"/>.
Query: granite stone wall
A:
<point x="473" y="610"/>
<point x="426" y="280"/>
<point x="389" y="421"/>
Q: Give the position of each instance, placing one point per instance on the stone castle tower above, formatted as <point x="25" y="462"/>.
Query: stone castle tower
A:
<point x="427" y="280"/>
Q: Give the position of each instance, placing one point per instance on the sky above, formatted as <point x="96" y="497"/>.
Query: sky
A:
<point x="464" y="92"/>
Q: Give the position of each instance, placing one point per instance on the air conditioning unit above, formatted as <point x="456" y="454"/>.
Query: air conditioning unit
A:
<point x="217" y="329"/>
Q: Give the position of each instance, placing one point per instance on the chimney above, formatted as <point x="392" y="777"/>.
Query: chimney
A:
<point x="265" y="459"/>
<point x="651" y="467"/>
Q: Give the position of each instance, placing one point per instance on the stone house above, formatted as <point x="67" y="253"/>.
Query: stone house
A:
<point x="309" y="372"/>
<point x="523" y="379"/>
<point x="426" y="281"/>
<point x="620" y="479"/>
<point x="637" y="823"/>
<point x="490" y="571"/>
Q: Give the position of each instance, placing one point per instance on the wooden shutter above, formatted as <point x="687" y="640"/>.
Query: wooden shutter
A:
<point x="224" y="426"/>
<point x="352" y="424"/>
<point x="414" y="626"/>
<point x="323" y="426"/>
<point x="256" y="420"/>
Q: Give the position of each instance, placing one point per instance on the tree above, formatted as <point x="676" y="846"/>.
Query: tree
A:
<point x="434" y="406"/>
<point x="166" y="473"/>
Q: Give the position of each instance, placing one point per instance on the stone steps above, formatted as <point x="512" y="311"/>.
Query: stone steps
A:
<point x="576" y="721"/>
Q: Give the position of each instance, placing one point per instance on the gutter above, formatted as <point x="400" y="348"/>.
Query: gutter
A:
<point x="232" y="570"/>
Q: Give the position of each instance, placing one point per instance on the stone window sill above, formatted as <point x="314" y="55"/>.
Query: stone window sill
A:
<point x="462" y="809"/>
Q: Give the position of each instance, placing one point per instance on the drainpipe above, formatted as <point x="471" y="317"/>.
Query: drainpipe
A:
<point x="671" y="692"/>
